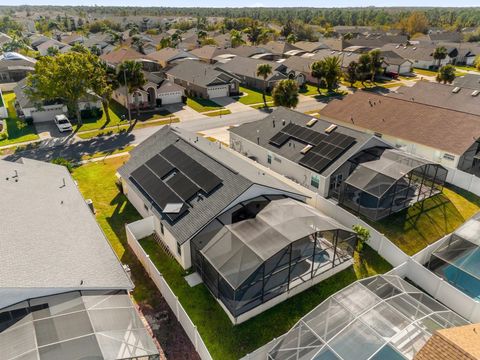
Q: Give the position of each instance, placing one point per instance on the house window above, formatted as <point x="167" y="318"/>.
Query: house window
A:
<point x="179" y="250"/>
<point x="448" y="157"/>
<point x="161" y="229"/>
<point x="315" y="181"/>
<point x="269" y="158"/>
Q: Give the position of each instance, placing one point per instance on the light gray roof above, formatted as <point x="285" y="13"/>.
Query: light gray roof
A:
<point x="236" y="173"/>
<point x="49" y="237"/>
<point x="440" y="95"/>
<point x="9" y="60"/>
<point x="168" y="86"/>
<point x="468" y="81"/>
<point x="243" y="66"/>
<point x="265" y="130"/>
<point x="199" y="73"/>
<point x="310" y="46"/>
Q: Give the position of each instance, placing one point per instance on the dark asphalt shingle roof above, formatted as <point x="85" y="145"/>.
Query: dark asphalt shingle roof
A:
<point x="199" y="73"/>
<point x="265" y="130"/>
<point x="468" y="81"/>
<point x="243" y="66"/>
<point x="236" y="173"/>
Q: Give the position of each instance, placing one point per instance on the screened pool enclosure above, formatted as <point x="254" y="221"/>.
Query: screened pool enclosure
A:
<point x="458" y="259"/>
<point x="379" y="318"/>
<point x="264" y="247"/>
<point x="390" y="183"/>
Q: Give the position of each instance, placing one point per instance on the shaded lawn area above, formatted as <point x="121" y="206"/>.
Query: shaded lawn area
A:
<point x="308" y="89"/>
<point x="17" y="129"/>
<point x="203" y="105"/>
<point x="425" y="72"/>
<point x="237" y="341"/>
<point x="418" y="226"/>
<point x="254" y="96"/>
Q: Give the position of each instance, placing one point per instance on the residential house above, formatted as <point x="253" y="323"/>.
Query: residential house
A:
<point x="208" y="53"/>
<point x="345" y="56"/>
<point x="246" y="51"/>
<point x="66" y="295"/>
<point x="15" y="67"/>
<point x="421" y="55"/>
<point x="169" y="56"/>
<point x="239" y="228"/>
<point x="373" y="41"/>
<point x="203" y="80"/>
<point x="395" y="64"/>
<point x="301" y="65"/>
<point x="416" y="128"/>
<point x="246" y="70"/>
<point x="310" y="46"/>
<point x="41" y="111"/>
<point x="449" y="36"/>
<point x="279" y="49"/>
<point x="441" y="95"/>
<point x="53" y="44"/>
<point x="116" y="57"/>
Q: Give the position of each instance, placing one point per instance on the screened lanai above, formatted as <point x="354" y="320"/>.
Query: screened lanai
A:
<point x="390" y="183"/>
<point x="265" y="247"/>
<point x="458" y="259"/>
<point x="379" y="318"/>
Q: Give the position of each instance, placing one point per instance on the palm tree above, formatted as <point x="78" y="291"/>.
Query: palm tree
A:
<point x="318" y="72"/>
<point x="363" y="68"/>
<point x="439" y="54"/>
<point x="236" y="38"/>
<point x="285" y="93"/>
<point x="351" y="73"/>
<point x="253" y="33"/>
<point x="332" y="71"/>
<point x="264" y="70"/>
<point x="375" y="63"/>
<point x="130" y="74"/>
<point x="446" y="74"/>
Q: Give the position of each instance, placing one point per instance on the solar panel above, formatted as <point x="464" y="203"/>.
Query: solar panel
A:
<point x="159" y="166"/>
<point x="160" y="194"/>
<point x="321" y="164"/>
<point x="279" y="138"/>
<point x="201" y="176"/>
<point x="182" y="186"/>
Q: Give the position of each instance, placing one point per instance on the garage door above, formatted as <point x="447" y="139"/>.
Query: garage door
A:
<point x="47" y="114"/>
<point x="171" y="98"/>
<point x="405" y="68"/>
<point x="217" y="91"/>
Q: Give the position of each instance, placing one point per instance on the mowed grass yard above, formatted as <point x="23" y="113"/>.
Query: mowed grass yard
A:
<point x="253" y="96"/>
<point x="97" y="181"/>
<point x="17" y="129"/>
<point x="423" y="224"/>
<point x="203" y="105"/>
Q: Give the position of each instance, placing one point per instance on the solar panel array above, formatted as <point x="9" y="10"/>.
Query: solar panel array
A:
<point x="326" y="147"/>
<point x="173" y="177"/>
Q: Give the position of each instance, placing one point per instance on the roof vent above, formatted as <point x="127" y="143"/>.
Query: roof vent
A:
<point x="455" y="90"/>
<point x="173" y="208"/>
<point x="311" y="122"/>
<point x="306" y="149"/>
<point x="330" y="129"/>
<point x="476" y="92"/>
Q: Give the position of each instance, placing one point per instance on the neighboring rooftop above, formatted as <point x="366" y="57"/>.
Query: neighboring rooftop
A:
<point x="199" y="73"/>
<point x="49" y="236"/>
<point x="407" y="120"/>
<point x="244" y="66"/>
<point x="440" y="95"/>
<point x="270" y="126"/>
<point x="468" y="81"/>
<point x="120" y="55"/>
<point x="234" y="173"/>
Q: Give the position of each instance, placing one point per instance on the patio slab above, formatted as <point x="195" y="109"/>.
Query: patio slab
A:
<point x="193" y="279"/>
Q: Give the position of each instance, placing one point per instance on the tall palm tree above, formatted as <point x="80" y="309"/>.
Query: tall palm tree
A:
<point x="439" y="54"/>
<point x="253" y="33"/>
<point x="332" y="71"/>
<point x="236" y="38"/>
<point x="264" y="70"/>
<point x="375" y="63"/>
<point x="130" y="74"/>
<point x="363" y="68"/>
<point x="285" y="93"/>
<point x="317" y="69"/>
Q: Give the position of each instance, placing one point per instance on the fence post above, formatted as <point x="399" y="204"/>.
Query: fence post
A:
<point x="196" y="337"/>
<point x="177" y="309"/>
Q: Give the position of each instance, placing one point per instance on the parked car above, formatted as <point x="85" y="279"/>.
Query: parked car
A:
<point x="392" y="75"/>
<point x="63" y="124"/>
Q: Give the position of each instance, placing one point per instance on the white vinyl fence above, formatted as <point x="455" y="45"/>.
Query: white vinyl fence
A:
<point x="464" y="180"/>
<point x="138" y="230"/>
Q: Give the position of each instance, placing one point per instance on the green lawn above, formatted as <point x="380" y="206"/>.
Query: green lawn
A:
<point x="311" y="90"/>
<point x="425" y="72"/>
<point x="416" y="227"/>
<point x="108" y="153"/>
<point x="466" y="68"/>
<point x="254" y="96"/>
<point x="17" y="130"/>
<point x="203" y="105"/>
<point x="262" y="105"/>
<point x="113" y="211"/>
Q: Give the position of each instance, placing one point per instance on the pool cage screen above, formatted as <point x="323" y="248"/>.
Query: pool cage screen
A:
<point x="248" y="262"/>
<point x="391" y="183"/>
<point x="458" y="259"/>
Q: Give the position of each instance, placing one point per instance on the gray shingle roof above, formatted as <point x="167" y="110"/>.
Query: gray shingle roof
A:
<point x="243" y="66"/>
<point x="236" y="173"/>
<point x="198" y="73"/>
<point x="265" y="130"/>
<point x="49" y="237"/>
<point x="468" y="81"/>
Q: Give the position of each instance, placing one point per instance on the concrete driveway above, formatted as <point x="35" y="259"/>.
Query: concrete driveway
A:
<point x="48" y="130"/>
<point x="183" y="112"/>
<point x="232" y="104"/>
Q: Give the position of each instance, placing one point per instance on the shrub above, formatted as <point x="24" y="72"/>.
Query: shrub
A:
<point x="29" y="121"/>
<point x="3" y="135"/>
<point x="363" y="235"/>
<point x="63" y="162"/>
<point x="93" y="113"/>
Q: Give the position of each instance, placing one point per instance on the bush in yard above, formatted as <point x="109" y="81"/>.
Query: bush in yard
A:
<point x="29" y="121"/>
<point x="363" y="235"/>
<point x="3" y="135"/>
<point x="63" y="162"/>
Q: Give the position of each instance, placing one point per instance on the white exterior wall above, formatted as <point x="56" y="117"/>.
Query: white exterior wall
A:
<point x="90" y="104"/>
<point x="47" y="113"/>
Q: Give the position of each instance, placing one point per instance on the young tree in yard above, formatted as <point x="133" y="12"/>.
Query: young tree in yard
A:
<point x="375" y="63"/>
<point x="285" y="93"/>
<point x="264" y="70"/>
<point x="446" y="74"/>
<point x="291" y="38"/>
<point x="65" y="76"/>
<point x="363" y="235"/>
<point x="351" y="73"/>
<point x="104" y="82"/>
<point x="363" y="68"/>
<point x="439" y="54"/>
<point x="130" y="74"/>
<point x="318" y="72"/>
<point x="332" y="71"/>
